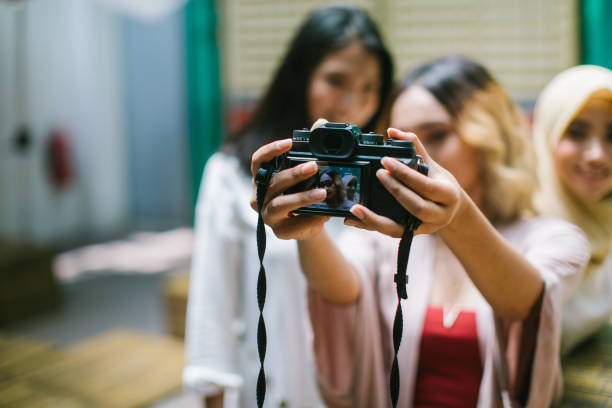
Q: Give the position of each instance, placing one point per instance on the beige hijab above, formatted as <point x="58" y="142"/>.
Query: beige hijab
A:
<point x="557" y="106"/>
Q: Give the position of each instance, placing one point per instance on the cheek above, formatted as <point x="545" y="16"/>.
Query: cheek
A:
<point x="370" y="104"/>
<point x="461" y="160"/>
<point x="446" y="153"/>
<point x="320" y="97"/>
<point x="566" y="154"/>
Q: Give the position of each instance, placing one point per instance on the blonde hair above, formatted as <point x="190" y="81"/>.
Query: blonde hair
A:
<point x="560" y="102"/>
<point x="493" y="124"/>
<point x="487" y="119"/>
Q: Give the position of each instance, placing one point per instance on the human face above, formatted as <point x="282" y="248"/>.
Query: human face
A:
<point x="583" y="156"/>
<point x="330" y="187"/>
<point x="345" y="86"/>
<point x="417" y="110"/>
<point x="351" y="187"/>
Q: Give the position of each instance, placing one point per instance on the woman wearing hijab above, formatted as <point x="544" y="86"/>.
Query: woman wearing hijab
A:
<point x="573" y="140"/>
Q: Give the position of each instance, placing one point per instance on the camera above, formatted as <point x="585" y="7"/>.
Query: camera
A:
<point x="347" y="162"/>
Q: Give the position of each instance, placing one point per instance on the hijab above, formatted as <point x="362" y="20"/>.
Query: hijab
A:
<point x="560" y="102"/>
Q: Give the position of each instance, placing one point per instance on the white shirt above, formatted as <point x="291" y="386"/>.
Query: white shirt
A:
<point x="222" y="313"/>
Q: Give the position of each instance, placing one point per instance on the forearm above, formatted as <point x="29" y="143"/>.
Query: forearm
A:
<point x="327" y="271"/>
<point x="505" y="278"/>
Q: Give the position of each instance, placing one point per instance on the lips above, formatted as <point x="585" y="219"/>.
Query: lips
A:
<point x="593" y="175"/>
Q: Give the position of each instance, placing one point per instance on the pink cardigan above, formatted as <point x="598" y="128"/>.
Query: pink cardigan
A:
<point x="353" y="344"/>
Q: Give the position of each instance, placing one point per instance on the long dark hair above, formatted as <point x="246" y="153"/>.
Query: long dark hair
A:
<point x="283" y="107"/>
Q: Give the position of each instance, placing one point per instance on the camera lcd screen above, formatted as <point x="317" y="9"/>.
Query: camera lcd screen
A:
<point x="342" y="184"/>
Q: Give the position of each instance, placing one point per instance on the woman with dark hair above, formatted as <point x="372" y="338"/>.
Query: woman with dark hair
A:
<point x="487" y="280"/>
<point x="336" y="67"/>
<point x="290" y="104"/>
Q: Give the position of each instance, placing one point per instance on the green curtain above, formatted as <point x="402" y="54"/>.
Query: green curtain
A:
<point x="203" y="86"/>
<point x="596" y="32"/>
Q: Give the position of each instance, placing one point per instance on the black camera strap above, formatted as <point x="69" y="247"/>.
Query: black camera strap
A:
<point x="262" y="179"/>
<point x="401" y="280"/>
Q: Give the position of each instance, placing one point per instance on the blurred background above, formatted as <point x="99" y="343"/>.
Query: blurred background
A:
<point x="108" y="112"/>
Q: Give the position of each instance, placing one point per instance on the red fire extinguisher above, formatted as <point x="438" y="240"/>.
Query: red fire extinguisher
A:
<point x="62" y="172"/>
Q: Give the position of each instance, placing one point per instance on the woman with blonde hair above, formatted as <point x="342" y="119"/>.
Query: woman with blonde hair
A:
<point x="573" y="139"/>
<point x="487" y="282"/>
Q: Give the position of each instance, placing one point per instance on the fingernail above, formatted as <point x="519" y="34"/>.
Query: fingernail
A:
<point x="283" y="144"/>
<point x="309" y="168"/>
<point x="389" y="163"/>
<point x="383" y="175"/>
<point x="318" y="194"/>
<point x="357" y="212"/>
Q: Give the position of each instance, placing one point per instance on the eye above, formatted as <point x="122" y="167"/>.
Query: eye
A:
<point x="437" y="136"/>
<point x="577" y="134"/>
<point x="371" y="87"/>
<point x="335" y="79"/>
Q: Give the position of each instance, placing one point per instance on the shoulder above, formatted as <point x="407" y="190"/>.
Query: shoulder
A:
<point x="224" y="170"/>
<point x="543" y="228"/>
<point x="223" y="181"/>
<point x="221" y="162"/>
<point x="550" y="243"/>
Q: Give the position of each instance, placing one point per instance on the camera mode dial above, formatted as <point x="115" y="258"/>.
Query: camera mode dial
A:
<point x="399" y="143"/>
<point x="404" y="144"/>
<point x="372" y="139"/>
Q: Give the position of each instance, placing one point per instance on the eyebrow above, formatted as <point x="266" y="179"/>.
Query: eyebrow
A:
<point x="579" y="123"/>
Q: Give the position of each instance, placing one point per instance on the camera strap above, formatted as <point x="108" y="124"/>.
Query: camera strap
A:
<point x="262" y="179"/>
<point x="401" y="280"/>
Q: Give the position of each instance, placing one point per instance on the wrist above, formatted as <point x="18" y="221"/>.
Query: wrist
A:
<point x="310" y="240"/>
<point x="467" y="213"/>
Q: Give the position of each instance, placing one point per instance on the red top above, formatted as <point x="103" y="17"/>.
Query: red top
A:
<point x="450" y="369"/>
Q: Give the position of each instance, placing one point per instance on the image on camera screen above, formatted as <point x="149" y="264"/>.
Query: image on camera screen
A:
<point x="342" y="184"/>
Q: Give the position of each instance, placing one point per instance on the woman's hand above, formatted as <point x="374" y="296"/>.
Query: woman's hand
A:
<point x="277" y="208"/>
<point x="434" y="199"/>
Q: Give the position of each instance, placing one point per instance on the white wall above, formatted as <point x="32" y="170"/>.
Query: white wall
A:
<point x="70" y="78"/>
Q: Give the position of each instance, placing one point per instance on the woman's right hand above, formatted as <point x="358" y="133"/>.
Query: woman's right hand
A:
<point x="277" y="207"/>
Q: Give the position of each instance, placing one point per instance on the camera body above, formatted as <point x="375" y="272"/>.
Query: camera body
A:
<point x="348" y="160"/>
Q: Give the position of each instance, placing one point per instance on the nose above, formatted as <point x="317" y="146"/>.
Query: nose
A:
<point x="594" y="151"/>
<point x="346" y="103"/>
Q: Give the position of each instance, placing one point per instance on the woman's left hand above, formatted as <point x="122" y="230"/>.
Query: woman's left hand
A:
<point x="434" y="199"/>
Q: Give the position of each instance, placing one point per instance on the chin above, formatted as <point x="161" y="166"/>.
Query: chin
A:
<point x="593" y="195"/>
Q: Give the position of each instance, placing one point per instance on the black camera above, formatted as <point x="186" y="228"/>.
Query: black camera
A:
<point x="348" y="160"/>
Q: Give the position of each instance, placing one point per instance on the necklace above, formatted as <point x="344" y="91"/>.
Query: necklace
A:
<point x="449" y="315"/>
<point x="454" y="287"/>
